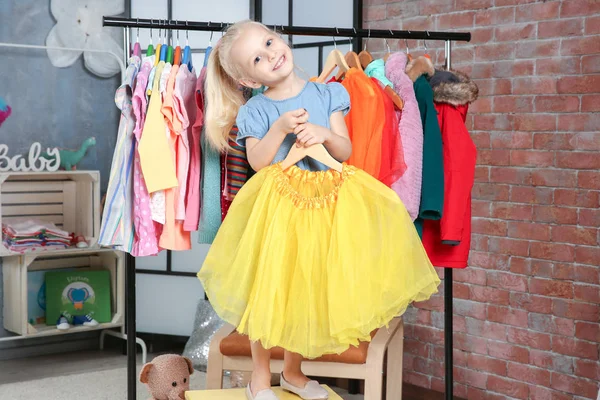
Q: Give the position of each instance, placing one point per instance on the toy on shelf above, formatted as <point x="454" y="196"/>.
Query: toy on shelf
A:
<point x="70" y="158"/>
<point x="167" y="376"/>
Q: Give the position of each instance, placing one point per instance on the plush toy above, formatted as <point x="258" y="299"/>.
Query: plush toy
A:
<point x="167" y="376"/>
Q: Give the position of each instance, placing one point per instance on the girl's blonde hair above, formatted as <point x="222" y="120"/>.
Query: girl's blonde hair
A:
<point x="224" y="96"/>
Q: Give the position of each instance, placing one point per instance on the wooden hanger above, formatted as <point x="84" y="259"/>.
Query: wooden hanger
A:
<point x="365" y="58"/>
<point x="316" y="151"/>
<point x="394" y="96"/>
<point x="334" y="59"/>
<point x="353" y="60"/>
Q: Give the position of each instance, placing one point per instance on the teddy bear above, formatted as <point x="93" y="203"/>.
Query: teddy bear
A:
<point x="167" y="376"/>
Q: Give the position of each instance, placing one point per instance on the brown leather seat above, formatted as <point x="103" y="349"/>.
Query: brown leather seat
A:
<point x="239" y="345"/>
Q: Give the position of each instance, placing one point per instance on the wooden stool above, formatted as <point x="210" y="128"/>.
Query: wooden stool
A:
<point x="239" y="394"/>
<point x="230" y="351"/>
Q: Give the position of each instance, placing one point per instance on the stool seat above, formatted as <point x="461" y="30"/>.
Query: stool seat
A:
<point x="240" y="394"/>
<point x="238" y="345"/>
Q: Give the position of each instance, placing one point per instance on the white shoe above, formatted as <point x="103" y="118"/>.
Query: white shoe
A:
<point x="266" y="394"/>
<point x="311" y="391"/>
<point x="62" y="323"/>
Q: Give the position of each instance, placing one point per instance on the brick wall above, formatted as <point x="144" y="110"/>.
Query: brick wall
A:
<point x="526" y="311"/>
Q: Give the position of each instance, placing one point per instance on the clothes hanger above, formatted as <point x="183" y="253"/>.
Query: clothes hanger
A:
<point x="425" y="45"/>
<point x="170" y="48"/>
<point x="334" y="59"/>
<point x="164" y="47"/>
<point x="177" y="57"/>
<point x="137" y="49"/>
<point x="352" y="58"/>
<point x="364" y="56"/>
<point x="158" y="46"/>
<point x="208" y="49"/>
<point x="316" y="151"/>
<point x="150" y="49"/>
<point x="187" y="52"/>
<point x="408" y="55"/>
<point x="387" y="55"/>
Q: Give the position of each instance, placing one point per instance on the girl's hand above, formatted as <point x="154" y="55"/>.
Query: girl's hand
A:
<point x="289" y="121"/>
<point x="308" y="134"/>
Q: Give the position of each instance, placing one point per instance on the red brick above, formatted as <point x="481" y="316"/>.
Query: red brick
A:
<point x="489" y="295"/>
<point x="590" y="103"/>
<point x="587" y="217"/>
<point x="590" y="64"/>
<point x="526" y="230"/>
<point x="588" y="255"/>
<point x="569" y="27"/>
<point x="456" y="20"/>
<point x="481" y="139"/>
<point x="588" y="331"/>
<point x="512" y="104"/>
<point x="416" y="348"/>
<point x="554" y="178"/>
<point x="483" y="105"/>
<point x="578" y="160"/>
<point x="558" y="66"/>
<point x="553" y="141"/>
<point x="511" y="140"/>
<point x="435" y="303"/>
<point x="493" y="122"/>
<point x="507" y="281"/>
<point x="507" y="246"/>
<point x="510" y="211"/>
<point x="520" y="265"/>
<point x="587" y="369"/>
<point x="573" y="8"/>
<point x="577" y="198"/>
<point x="479" y="394"/>
<point x="535" y="85"/>
<point x="480" y="209"/>
<point x="375" y="13"/>
<point x="468" y="309"/>
<point x="470" y="275"/>
<point x="537" y="11"/>
<point x="579" y="84"/>
<point x="526" y="373"/>
<point x="416" y="379"/>
<point x="580" y="46"/>
<point x="552" y="288"/>
<point x="485" y="329"/>
<point x="576" y="310"/>
<point x="541" y="268"/>
<point x="488" y="260"/>
<point x="471" y="344"/>
<point x="557" y="215"/>
<point x="552" y="251"/>
<point x="429" y="7"/>
<point x="531" y="158"/>
<point x="557" y="104"/>
<point x="403" y="10"/>
<point x="473" y="4"/>
<point x="551" y="361"/>
<point x="516" y="32"/>
<point x="542" y="393"/>
<point x="509" y="352"/>
<point x="495" y="16"/>
<point x="521" y="194"/>
<point x="588" y="141"/>
<point x="519" y="176"/>
<point x="488" y="191"/>
<point x="489" y="226"/>
<point x="576" y="386"/>
<point x="592" y="25"/>
<point x="482" y="35"/>
<point x="479" y="242"/>
<point x="482" y="71"/>
<point x="528" y="338"/>
<point x="428" y="367"/>
<point x="507" y="316"/>
<point x="470" y="377"/>
<point x="460" y="291"/>
<point x="575" y="348"/>
<point x="576" y="235"/>
<point x="508" y="387"/>
<point x="587" y="293"/>
<point x="579" y="273"/>
<point x="482" y="363"/>
<point x="493" y="157"/>
<point x="549" y="324"/>
<point x="537" y="49"/>
<point x="531" y="303"/>
<point x="491" y="52"/>
<point x="588" y="180"/>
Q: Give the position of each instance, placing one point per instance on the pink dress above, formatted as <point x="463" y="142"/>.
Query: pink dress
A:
<point x="145" y="241"/>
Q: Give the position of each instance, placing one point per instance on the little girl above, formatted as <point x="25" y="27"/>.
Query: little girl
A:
<point x="308" y="259"/>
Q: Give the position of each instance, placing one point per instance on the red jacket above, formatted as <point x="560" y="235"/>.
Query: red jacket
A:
<point x="448" y="240"/>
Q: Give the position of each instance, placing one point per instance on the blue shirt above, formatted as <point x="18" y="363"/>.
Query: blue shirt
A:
<point x="320" y="100"/>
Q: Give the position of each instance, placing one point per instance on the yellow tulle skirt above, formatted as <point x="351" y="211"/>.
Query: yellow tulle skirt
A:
<point x="315" y="261"/>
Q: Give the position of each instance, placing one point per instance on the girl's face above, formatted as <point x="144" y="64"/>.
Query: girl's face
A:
<point x="263" y="57"/>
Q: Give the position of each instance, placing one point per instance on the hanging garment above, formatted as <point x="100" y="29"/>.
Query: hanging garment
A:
<point x="365" y="121"/>
<point x="192" y="200"/>
<point x="376" y="69"/>
<point x="432" y="186"/>
<point x="448" y="240"/>
<point x="157" y="166"/>
<point x="145" y="242"/>
<point x="392" y="156"/>
<point x="225" y="201"/>
<point x="116" y="229"/>
<point x="236" y="166"/>
<point x="315" y="261"/>
<point x="173" y="236"/>
<point x="408" y="187"/>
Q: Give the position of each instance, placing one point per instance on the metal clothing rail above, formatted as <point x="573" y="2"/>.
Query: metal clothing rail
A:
<point x="210" y="26"/>
<point x="289" y="30"/>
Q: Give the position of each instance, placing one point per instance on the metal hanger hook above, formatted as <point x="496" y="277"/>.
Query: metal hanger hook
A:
<point x="177" y="23"/>
<point x="386" y="42"/>
<point x="425" y="41"/>
<point x="137" y="36"/>
<point x="211" y="36"/>
<point x="151" y="30"/>
<point x="187" y="34"/>
<point x="366" y="41"/>
<point x="334" y="42"/>
<point x="406" y="43"/>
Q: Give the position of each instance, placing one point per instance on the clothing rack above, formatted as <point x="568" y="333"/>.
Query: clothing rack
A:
<point x="139" y="23"/>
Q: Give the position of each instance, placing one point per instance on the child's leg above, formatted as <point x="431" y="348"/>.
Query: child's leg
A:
<point x="292" y="369"/>
<point x="261" y="375"/>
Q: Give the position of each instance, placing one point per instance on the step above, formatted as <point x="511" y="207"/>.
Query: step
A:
<point x="240" y="394"/>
